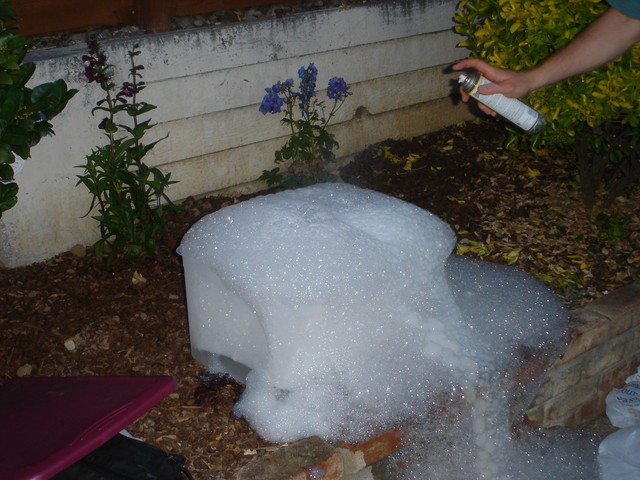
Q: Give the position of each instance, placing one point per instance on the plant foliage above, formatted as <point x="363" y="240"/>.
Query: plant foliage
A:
<point x="585" y="112"/>
<point x="129" y="195"/>
<point x="310" y="145"/>
<point x="25" y="112"/>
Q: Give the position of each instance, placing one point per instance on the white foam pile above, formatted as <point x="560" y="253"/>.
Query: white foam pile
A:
<point x="345" y="314"/>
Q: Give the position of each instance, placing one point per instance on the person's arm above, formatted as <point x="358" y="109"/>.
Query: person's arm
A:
<point x="608" y="37"/>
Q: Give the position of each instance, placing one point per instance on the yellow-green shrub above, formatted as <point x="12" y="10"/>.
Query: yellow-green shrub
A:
<point x="518" y="34"/>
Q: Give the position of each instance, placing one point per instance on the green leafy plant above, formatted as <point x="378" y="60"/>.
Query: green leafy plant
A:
<point x="614" y="226"/>
<point x="25" y="112"/>
<point x="130" y="196"/>
<point x="583" y="111"/>
<point x="310" y="145"/>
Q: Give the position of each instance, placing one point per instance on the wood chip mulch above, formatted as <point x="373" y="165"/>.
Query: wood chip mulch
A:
<point x="71" y="315"/>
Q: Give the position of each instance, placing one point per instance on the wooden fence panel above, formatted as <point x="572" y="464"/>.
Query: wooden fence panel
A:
<point x="45" y="17"/>
<point x="48" y="17"/>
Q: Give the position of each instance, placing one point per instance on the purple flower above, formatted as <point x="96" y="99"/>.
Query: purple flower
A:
<point x="94" y="75"/>
<point x="338" y="89"/>
<point x="127" y="90"/>
<point x="95" y="64"/>
<point x="272" y="103"/>
<point x="280" y="86"/>
<point x="308" y="76"/>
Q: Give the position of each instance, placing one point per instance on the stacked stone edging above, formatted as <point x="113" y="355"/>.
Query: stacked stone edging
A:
<point x="314" y="458"/>
<point x="604" y="349"/>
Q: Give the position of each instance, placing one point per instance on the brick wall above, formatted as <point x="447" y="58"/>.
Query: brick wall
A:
<point x="604" y="349"/>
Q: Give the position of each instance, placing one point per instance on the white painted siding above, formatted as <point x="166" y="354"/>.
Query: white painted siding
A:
<point x="208" y="84"/>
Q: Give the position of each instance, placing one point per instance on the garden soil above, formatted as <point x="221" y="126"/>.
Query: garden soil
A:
<point x="72" y="315"/>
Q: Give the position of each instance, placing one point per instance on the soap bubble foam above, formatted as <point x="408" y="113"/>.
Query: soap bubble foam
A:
<point x="345" y="313"/>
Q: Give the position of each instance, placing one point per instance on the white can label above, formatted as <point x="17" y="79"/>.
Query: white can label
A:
<point x="510" y="108"/>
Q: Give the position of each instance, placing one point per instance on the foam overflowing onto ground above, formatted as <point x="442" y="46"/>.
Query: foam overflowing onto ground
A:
<point x="345" y="313"/>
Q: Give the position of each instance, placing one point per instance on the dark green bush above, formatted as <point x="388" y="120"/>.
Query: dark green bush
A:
<point x="25" y="112"/>
<point x="130" y="196"/>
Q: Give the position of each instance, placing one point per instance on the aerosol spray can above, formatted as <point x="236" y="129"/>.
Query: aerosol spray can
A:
<point x="517" y="112"/>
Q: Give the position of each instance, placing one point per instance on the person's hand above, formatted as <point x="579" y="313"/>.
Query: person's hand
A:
<point x="507" y="82"/>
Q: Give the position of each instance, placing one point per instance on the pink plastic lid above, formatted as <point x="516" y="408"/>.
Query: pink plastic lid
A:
<point x="47" y="424"/>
